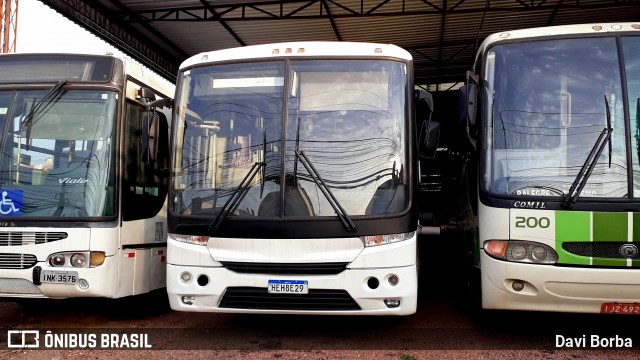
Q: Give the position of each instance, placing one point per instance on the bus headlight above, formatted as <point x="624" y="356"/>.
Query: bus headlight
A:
<point x="57" y="260"/>
<point x="375" y="240"/>
<point x="521" y="251"/>
<point x="78" y="260"/>
<point x="190" y="239"/>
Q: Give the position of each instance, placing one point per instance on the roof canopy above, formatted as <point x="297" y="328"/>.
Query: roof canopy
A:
<point x="441" y="35"/>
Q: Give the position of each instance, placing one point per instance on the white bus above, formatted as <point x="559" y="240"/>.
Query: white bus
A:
<point x="292" y="181"/>
<point x="83" y="195"/>
<point x="553" y="113"/>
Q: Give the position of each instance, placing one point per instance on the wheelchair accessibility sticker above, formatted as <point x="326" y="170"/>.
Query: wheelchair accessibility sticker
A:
<point x="11" y="202"/>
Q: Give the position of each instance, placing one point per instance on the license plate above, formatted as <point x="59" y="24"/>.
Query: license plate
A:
<point x="288" y="287"/>
<point x="59" y="277"/>
<point x="620" y="308"/>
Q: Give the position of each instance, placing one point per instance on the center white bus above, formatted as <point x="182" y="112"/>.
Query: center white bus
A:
<point x="292" y="182"/>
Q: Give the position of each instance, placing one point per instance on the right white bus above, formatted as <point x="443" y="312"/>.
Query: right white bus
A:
<point x="552" y="114"/>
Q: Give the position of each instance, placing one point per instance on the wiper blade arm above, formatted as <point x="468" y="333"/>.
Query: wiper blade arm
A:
<point x="589" y="164"/>
<point x="48" y="97"/>
<point x="236" y="196"/>
<point x="606" y="105"/>
<point x="295" y="162"/>
<point x="36" y="108"/>
<point x="342" y="214"/>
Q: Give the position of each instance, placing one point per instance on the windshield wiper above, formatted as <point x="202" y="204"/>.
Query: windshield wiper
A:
<point x="315" y="176"/>
<point x="295" y="162"/>
<point x="638" y="128"/>
<point x="606" y="106"/>
<point x="36" y="108"/>
<point x="236" y="196"/>
<point x="590" y="163"/>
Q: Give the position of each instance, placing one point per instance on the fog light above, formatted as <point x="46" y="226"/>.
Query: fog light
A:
<point x="78" y="260"/>
<point x="56" y="260"/>
<point x="373" y="283"/>
<point x="517" y="285"/>
<point x="188" y="300"/>
<point x="392" y="303"/>
<point x="203" y="280"/>
<point x="83" y="284"/>
<point x="185" y="277"/>
<point x="393" y="280"/>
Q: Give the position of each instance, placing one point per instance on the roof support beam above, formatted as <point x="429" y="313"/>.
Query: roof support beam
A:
<point x="122" y="35"/>
<point x="333" y="22"/>
<point x="223" y="23"/>
<point x="442" y="28"/>
<point x="554" y="12"/>
<point x="266" y="10"/>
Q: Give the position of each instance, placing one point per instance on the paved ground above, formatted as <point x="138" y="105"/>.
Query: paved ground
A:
<point x="443" y="327"/>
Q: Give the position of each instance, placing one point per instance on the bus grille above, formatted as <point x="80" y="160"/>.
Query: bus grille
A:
<point x="260" y="299"/>
<point x="17" y="261"/>
<point x="286" y="268"/>
<point x="602" y="249"/>
<point x="18" y="238"/>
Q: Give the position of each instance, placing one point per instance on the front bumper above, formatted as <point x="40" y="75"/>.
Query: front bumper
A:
<point x="354" y="281"/>
<point x="555" y="288"/>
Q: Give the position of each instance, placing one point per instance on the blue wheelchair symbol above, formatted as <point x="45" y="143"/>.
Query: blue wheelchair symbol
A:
<point x="11" y="202"/>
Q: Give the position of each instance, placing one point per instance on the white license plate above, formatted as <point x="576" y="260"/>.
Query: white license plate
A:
<point x="59" y="277"/>
<point x="288" y="287"/>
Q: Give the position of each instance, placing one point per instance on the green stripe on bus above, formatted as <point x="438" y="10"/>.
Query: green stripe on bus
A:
<point x="635" y="263"/>
<point x="610" y="226"/>
<point x="572" y="226"/>
<point x="636" y="226"/>
<point x="610" y="262"/>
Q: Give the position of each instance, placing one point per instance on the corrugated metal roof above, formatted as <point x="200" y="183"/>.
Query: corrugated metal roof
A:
<point x="441" y="35"/>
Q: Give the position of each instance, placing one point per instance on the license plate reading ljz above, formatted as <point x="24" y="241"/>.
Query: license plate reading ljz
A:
<point x="288" y="287"/>
<point x="59" y="277"/>
<point x="620" y="308"/>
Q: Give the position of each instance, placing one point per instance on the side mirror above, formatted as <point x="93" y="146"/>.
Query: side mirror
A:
<point x="429" y="129"/>
<point x="429" y="138"/>
<point x="152" y="124"/>
<point x="467" y="105"/>
<point x="424" y="102"/>
<point x="149" y="136"/>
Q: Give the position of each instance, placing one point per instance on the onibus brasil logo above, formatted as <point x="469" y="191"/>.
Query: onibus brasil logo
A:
<point x="33" y="339"/>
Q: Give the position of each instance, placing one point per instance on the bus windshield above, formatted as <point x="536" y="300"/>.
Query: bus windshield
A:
<point x="345" y="117"/>
<point x="57" y="161"/>
<point x="546" y="104"/>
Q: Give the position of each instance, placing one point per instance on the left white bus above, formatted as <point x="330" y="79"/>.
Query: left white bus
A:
<point x="84" y="152"/>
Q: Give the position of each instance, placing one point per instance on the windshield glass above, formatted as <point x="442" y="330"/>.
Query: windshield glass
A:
<point x="631" y="47"/>
<point x="59" y="164"/>
<point x="346" y="116"/>
<point x="545" y="109"/>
